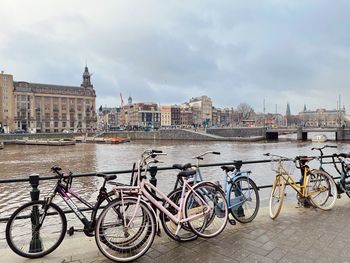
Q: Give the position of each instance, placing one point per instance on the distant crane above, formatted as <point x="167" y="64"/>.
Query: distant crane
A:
<point x="121" y="101"/>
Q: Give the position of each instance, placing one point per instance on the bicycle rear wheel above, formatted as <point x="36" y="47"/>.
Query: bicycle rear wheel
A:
<point x="36" y="229"/>
<point x="213" y="222"/>
<point x="120" y="243"/>
<point x="276" y="196"/>
<point x="345" y="183"/>
<point x="244" y="199"/>
<point x="185" y="233"/>
<point x="321" y="189"/>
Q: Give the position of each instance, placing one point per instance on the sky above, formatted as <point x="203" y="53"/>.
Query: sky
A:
<point x="170" y="51"/>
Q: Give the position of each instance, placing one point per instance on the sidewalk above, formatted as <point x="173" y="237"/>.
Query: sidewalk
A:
<point x="297" y="235"/>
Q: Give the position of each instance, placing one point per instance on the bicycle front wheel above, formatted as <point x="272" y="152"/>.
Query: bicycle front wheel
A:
<point x="321" y="189"/>
<point x="276" y="196"/>
<point x="244" y="199"/>
<point x="36" y="229"/>
<point x="206" y="196"/>
<point x="185" y="233"/>
<point x="125" y="229"/>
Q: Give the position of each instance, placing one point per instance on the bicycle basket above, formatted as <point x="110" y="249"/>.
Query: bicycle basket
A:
<point x="285" y="167"/>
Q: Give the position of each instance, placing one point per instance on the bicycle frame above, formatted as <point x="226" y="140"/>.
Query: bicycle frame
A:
<point x="144" y="188"/>
<point x="66" y="193"/>
<point x="301" y="190"/>
<point x="229" y="178"/>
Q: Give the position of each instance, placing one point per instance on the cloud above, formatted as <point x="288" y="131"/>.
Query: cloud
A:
<point x="168" y="52"/>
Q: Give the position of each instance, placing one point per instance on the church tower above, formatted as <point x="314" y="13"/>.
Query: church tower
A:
<point x="86" y="79"/>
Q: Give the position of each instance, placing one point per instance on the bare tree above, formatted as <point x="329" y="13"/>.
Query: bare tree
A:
<point x="245" y="111"/>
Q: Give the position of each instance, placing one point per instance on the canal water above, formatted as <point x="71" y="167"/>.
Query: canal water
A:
<point x="19" y="161"/>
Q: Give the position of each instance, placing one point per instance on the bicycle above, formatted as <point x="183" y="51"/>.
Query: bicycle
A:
<point x="316" y="187"/>
<point x="47" y="222"/>
<point x="194" y="209"/>
<point x="343" y="185"/>
<point x="241" y="192"/>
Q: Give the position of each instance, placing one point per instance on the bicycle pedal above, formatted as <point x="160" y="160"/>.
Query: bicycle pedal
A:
<point x="70" y="231"/>
<point x="232" y="222"/>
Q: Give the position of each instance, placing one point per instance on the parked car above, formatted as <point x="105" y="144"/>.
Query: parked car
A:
<point x="20" y="131"/>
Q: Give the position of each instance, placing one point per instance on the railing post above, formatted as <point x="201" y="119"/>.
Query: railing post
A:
<point x="34" y="183"/>
<point x="153" y="172"/>
<point x="35" y="243"/>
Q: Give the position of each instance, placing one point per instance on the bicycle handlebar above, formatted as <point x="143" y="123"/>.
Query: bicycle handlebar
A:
<point x="321" y="148"/>
<point x="200" y="157"/>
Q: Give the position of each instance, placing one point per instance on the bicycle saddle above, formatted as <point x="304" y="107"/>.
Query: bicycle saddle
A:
<point x="228" y="168"/>
<point x="182" y="167"/>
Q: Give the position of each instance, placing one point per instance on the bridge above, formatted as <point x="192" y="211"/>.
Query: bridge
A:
<point x="341" y="134"/>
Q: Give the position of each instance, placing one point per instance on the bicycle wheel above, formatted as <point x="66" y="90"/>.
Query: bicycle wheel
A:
<point x="345" y="183"/>
<point x="276" y="196"/>
<point x="185" y="233"/>
<point x="35" y="229"/>
<point x="244" y="199"/>
<point x="213" y="222"/>
<point x="321" y="189"/>
<point x="118" y="242"/>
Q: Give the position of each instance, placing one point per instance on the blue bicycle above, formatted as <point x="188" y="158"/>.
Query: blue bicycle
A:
<point x="241" y="192"/>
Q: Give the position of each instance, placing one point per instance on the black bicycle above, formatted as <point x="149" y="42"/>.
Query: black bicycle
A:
<point x="344" y="171"/>
<point x="37" y="228"/>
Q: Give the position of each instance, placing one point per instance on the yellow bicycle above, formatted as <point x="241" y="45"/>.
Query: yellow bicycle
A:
<point x="315" y="188"/>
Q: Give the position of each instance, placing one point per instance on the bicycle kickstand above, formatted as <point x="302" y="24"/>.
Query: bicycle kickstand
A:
<point x="232" y="221"/>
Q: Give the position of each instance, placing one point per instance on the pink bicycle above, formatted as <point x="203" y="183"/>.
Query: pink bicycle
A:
<point x="126" y="228"/>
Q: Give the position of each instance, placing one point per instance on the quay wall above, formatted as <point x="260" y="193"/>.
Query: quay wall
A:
<point x="237" y="132"/>
<point x="171" y="134"/>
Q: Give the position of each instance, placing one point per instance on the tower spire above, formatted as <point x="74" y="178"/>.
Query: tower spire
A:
<point x="86" y="78"/>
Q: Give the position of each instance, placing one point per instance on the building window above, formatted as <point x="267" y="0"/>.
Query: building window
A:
<point x="64" y="104"/>
<point x="55" y="104"/>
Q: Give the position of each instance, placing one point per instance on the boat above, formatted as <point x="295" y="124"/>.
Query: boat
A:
<point x="319" y="138"/>
<point x="114" y="140"/>
<point x="60" y="142"/>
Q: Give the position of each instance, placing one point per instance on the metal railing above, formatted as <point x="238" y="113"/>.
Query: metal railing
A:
<point x="34" y="179"/>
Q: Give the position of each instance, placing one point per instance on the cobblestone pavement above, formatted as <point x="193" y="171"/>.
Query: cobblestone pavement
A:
<point x="297" y="235"/>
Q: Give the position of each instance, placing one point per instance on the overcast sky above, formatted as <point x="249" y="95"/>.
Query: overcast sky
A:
<point x="169" y="51"/>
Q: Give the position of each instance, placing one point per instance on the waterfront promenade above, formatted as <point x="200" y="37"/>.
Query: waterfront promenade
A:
<point x="297" y="235"/>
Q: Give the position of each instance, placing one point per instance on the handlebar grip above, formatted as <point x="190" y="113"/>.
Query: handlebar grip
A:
<point x="313" y="148"/>
<point x="56" y="168"/>
<point x="218" y="153"/>
<point x="344" y="155"/>
<point x="267" y="154"/>
<point x="157" y="151"/>
<point x="331" y="146"/>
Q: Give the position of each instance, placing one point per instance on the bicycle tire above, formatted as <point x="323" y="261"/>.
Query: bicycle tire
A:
<point x="40" y="242"/>
<point x="124" y="245"/>
<point x="321" y="189"/>
<point x="216" y="219"/>
<point x="105" y="232"/>
<point x="185" y="234"/>
<point x="277" y="194"/>
<point x="244" y="200"/>
<point x="345" y="184"/>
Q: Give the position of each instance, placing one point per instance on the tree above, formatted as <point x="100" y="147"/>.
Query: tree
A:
<point x="245" y="111"/>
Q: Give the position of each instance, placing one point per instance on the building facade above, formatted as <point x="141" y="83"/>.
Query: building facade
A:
<point x="202" y="110"/>
<point x="36" y="107"/>
<point x="322" y="118"/>
<point x="140" y="115"/>
<point x="6" y="103"/>
<point x="165" y="116"/>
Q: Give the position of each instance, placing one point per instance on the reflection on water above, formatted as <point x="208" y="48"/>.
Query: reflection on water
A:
<point x="23" y="160"/>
